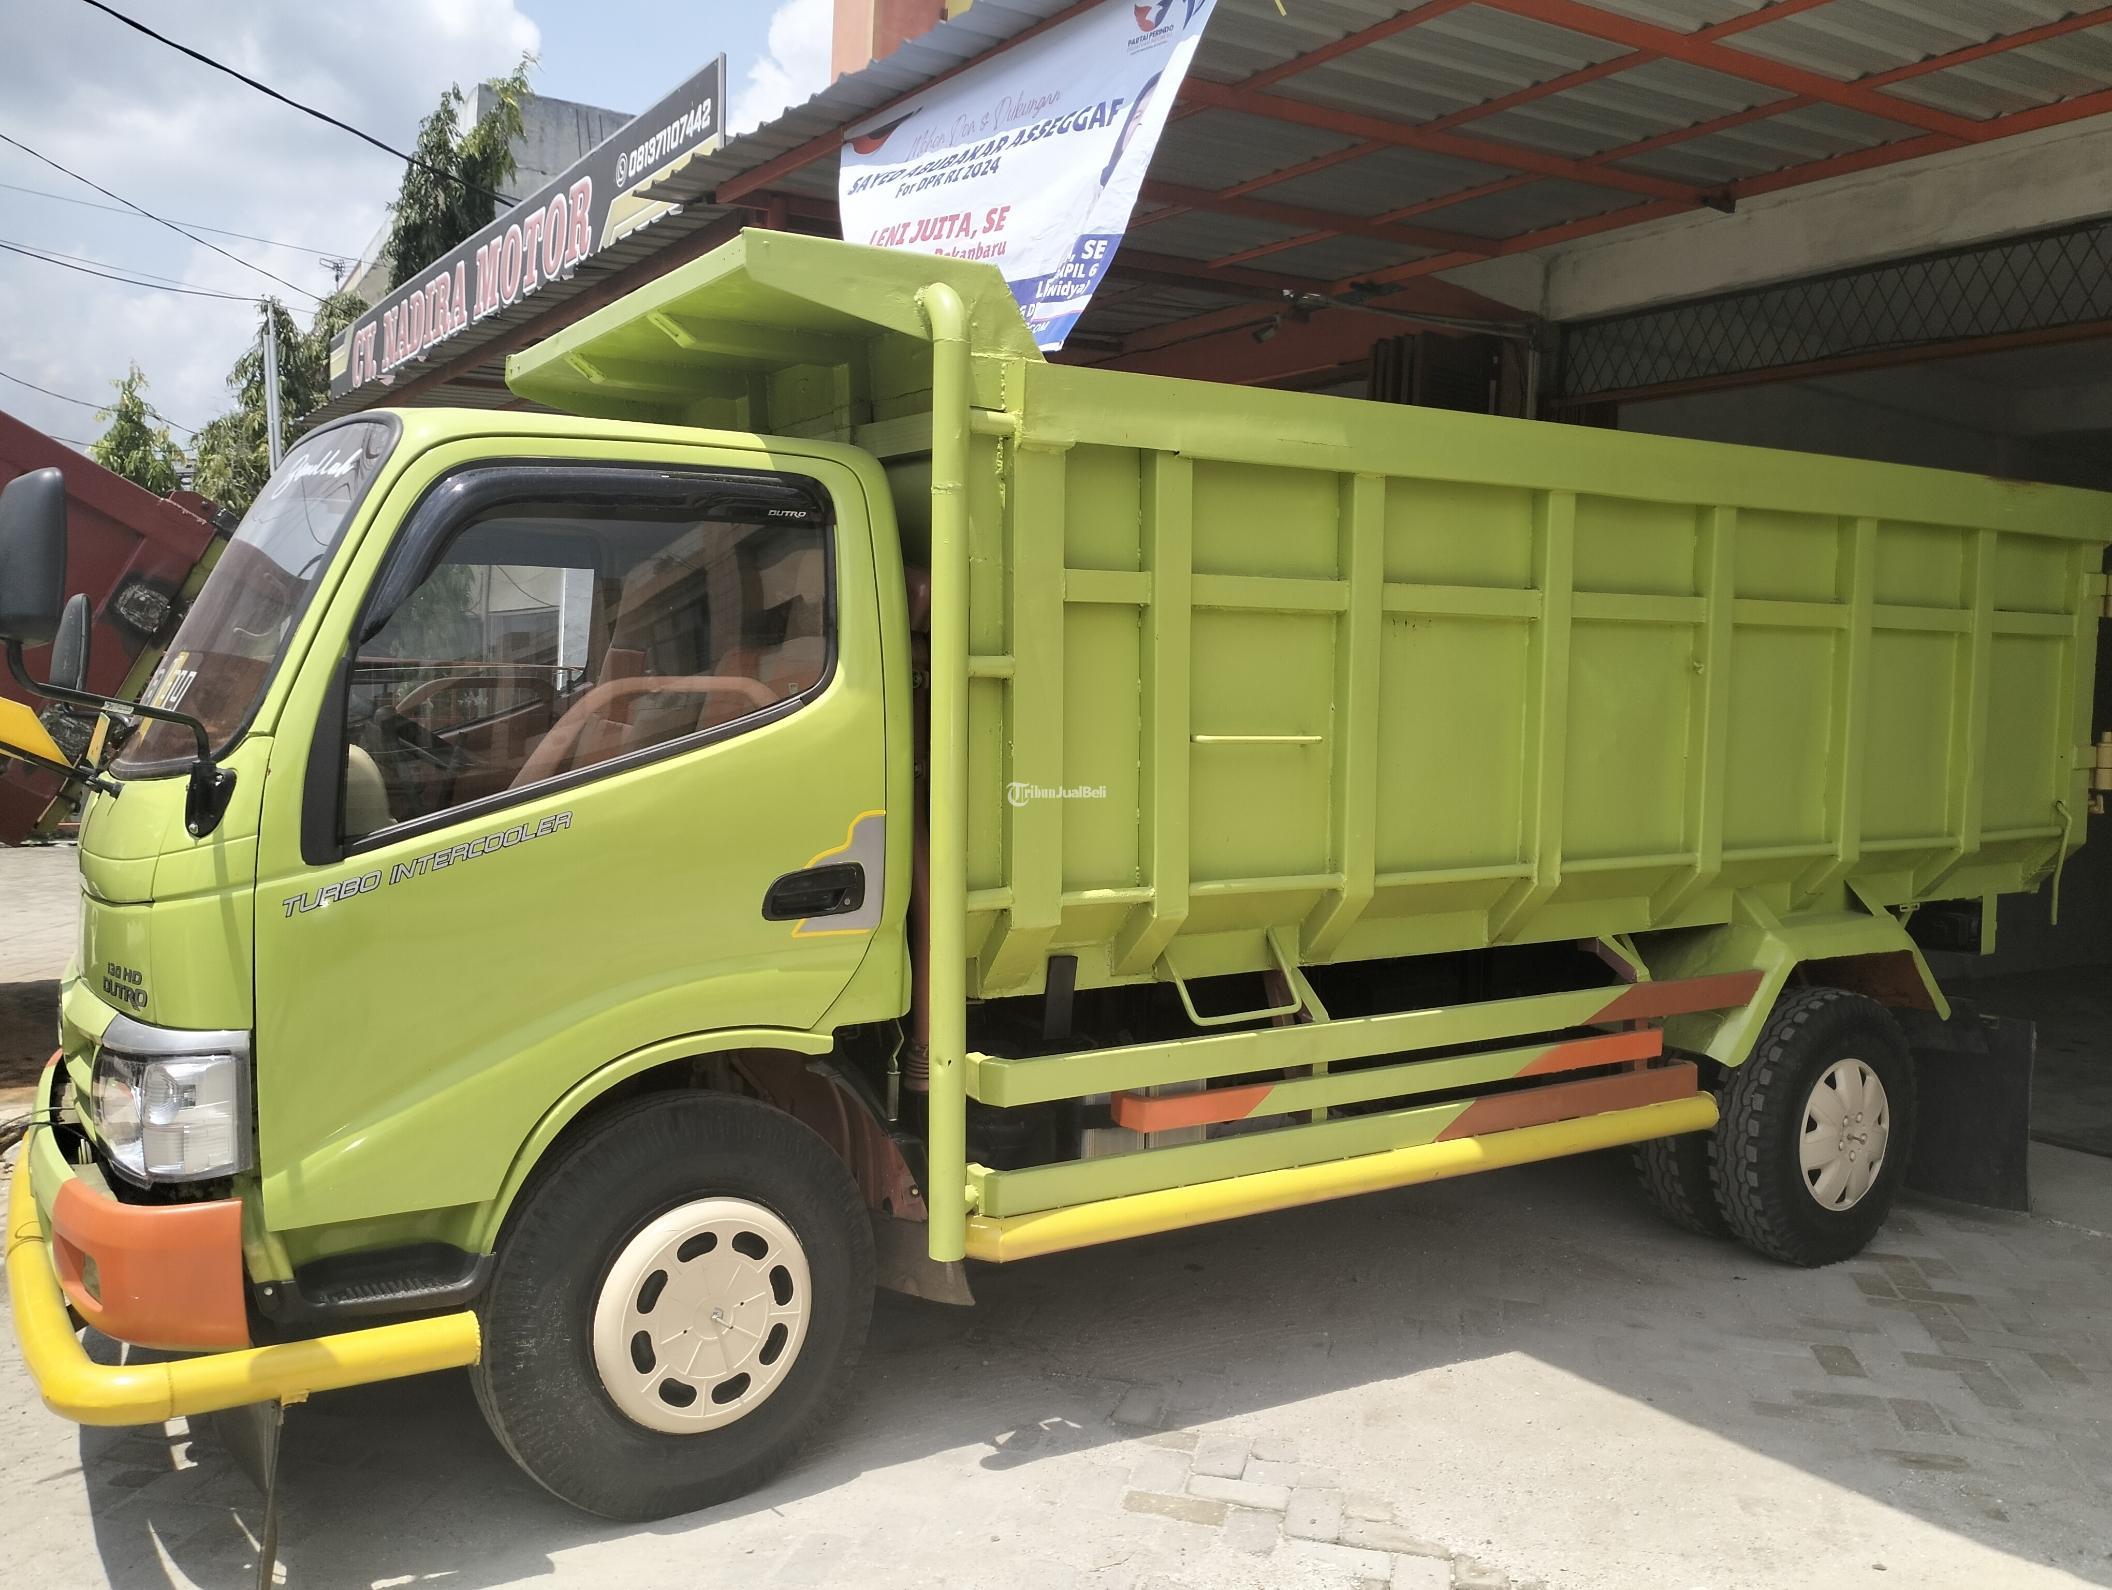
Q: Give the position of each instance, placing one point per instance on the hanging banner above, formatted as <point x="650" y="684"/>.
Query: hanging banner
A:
<point x="1031" y="160"/>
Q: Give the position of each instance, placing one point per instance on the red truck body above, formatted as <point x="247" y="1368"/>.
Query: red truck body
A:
<point x="133" y="553"/>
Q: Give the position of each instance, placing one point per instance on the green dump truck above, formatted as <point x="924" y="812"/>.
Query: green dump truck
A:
<point x="591" y="892"/>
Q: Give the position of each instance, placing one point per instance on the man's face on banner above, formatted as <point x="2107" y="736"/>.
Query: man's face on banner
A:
<point x="1136" y="117"/>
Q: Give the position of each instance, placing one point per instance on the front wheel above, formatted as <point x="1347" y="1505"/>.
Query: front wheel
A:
<point x="1816" y="1130"/>
<point x="677" y="1303"/>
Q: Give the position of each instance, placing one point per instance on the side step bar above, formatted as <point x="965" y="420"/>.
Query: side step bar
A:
<point x="1026" y="1236"/>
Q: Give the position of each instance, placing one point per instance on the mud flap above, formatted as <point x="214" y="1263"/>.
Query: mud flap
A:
<point x="902" y="1262"/>
<point x="251" y="1436"/>
<point x="1973" y="1080"/>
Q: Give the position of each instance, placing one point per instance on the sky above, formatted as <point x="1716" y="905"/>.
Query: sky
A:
<point x="203" y="150"/>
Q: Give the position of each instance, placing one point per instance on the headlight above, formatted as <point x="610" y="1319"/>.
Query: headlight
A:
<point x="171" y="1105"/>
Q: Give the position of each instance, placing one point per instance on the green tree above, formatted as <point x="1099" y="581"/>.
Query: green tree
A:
<point x="441" y="619"/>
<point x="133" y="445"/>
<point x="433" y="213"/>
<point x="233" y="461"/>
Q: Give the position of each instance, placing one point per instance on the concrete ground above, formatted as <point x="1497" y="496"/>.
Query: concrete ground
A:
<point x="39" y="907"/>
<point x="40" y="896"/>
<point x="1515" y="1379"/>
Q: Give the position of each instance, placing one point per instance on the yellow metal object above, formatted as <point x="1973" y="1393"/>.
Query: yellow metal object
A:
<point x="20" y="730"/>
<point x="76" y="1387"/>
<point x="1113" y="1219"/>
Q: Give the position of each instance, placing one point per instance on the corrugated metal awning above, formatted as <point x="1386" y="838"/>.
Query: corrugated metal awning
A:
<point x="1353" y="145"/>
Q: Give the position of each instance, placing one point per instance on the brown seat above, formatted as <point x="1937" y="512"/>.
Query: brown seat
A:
<point x="793" y="586"/>
<point x="563" y="748"/>
<point x="600" y="725"/>
<point x="630" y="708"/>
<point x="796" y="584"/>
<point x="608" y="736"/>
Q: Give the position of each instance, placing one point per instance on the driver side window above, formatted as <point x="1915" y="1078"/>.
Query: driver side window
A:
<point x="548" y="639"/>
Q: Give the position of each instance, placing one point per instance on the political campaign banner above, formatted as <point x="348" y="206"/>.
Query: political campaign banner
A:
<point x="1032" y="159"/>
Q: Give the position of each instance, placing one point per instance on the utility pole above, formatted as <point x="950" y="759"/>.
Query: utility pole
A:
<point x="274" y="443"/>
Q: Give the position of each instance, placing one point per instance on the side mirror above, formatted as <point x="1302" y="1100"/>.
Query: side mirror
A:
<point x="69" y="647"/>
<point x="32" y="557"/>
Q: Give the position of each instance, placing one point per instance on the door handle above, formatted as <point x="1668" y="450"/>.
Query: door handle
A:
<point x="833" y="890"/>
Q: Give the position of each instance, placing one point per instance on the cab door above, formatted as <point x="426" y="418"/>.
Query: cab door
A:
<point x="596" y="764"/>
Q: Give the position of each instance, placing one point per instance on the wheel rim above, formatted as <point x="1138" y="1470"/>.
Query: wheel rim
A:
<point x="702" y="1316"/>
<point x="1847" y="1128"/>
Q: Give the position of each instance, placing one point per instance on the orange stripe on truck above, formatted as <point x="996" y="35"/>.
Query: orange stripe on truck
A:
<point x="1608" y="1049"/>
<point x="1565" y="1101"/>
<point x="1682" y="997"/>
<point x="1142" y="1113"/>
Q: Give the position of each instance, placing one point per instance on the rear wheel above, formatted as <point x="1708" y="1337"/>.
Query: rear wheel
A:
<point x="677" y="1303"/>
<point x="1817" y="1129"/>
<point x="1674" y="1172"/>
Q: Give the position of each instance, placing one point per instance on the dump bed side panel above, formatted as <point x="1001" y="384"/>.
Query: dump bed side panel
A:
<point x="1386" y="680"/>
<point x="1397" y="681"/>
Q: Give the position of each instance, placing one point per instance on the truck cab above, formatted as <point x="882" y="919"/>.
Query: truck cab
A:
<point x="552" y="743"/>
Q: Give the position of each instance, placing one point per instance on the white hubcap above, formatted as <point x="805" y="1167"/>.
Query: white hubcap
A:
<point x="702" y="1315"/>
<point x="1847" y="1126"/>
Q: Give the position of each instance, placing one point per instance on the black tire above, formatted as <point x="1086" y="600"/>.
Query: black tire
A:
<point x="1675" y="1175"/>
<point x="1754" y="1160"/>
<point x="537" y="1381"/>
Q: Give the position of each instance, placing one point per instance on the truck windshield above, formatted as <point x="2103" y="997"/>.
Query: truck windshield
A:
<point x="230" y="642"/>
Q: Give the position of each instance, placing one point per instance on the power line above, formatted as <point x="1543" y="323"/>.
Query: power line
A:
<point x="324" y="254"/>
<point x="306" y="110"/>
<point x="143" y="278"/>
<point x="129" y="281"/>
<point x="150" y="215"/>
<point x="190" y="430"/>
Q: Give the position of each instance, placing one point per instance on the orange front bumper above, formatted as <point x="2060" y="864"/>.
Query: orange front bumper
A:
<point x="162" y="1277"/>
<point x="167" y="1275"/>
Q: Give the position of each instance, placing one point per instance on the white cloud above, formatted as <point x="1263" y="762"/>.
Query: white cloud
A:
<point x="794" y="67"/>
<point x="195" y="145"/>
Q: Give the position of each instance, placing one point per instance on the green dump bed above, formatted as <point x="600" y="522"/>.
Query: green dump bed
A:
<point x="1394" y="680"/>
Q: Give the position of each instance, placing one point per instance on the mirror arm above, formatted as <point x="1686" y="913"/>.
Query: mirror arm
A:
<point x="211" y="786"/>
<point x="86" y="698"/>
<point x="93" y="780"/>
